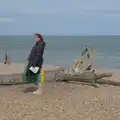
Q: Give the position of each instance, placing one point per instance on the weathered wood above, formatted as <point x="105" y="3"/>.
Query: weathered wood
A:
<point x="99" y="81"/>
<point x="85" y="77"/>
<point x="15" y="79"/>
<point x="83" y="70"/>
<point x="108" y="82"/>
<point x="86" y="60"/>
<point x="7" y="59"/>
<point x="11" y="79"/>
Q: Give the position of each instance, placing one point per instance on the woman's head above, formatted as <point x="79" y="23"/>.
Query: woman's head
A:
<point x="38" y="37"/>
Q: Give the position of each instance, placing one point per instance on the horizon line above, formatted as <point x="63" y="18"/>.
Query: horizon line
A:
<point x="61" y="34"/>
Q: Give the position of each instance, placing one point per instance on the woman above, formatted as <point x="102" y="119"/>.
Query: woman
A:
<point x="35" y="59"/>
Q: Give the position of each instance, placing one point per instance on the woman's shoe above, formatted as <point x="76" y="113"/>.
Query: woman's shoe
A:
<point x="39" y="90"/>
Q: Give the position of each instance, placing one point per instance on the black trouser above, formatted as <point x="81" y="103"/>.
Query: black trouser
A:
<point x="34" y="76"/>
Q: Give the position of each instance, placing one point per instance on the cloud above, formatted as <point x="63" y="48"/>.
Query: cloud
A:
<point x="7" y="19"/>
<point x="60" y="16"/>
<point x="60" y="8"/>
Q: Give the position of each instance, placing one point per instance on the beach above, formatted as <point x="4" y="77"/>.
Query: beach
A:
<point x="78" y="43"/>
<point x="59" y="101"/>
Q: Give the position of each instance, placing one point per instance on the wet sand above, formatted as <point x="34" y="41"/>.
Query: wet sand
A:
<point x="60" y="101"/>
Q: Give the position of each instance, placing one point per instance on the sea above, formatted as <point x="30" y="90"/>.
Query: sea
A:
<point x="61" y="50"/>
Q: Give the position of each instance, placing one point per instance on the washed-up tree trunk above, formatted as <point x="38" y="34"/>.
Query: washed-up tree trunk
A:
<point x="90" y="79"/>
<point x="83" y="70"/>
<point x="87" y="77"/>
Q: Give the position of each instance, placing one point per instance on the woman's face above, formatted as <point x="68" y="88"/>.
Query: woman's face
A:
<point x="36" y="38"/>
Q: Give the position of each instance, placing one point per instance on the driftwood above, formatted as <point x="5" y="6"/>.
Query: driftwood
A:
<point x="11" y="79"/>
<point x="88" y="77"/>
<point x="83" y="70"/>
<point x="7" y="59"/>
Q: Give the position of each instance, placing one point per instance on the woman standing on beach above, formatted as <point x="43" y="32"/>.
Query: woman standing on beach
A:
<point x="35" y="59"/>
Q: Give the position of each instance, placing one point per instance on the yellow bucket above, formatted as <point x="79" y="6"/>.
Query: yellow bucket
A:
<point x="42" y="78"/>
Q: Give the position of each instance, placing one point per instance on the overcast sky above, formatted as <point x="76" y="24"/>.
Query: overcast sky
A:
<point x="60" y="17"/>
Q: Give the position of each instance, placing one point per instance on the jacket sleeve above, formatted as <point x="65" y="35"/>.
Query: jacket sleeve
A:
<point x="37" y="54"/>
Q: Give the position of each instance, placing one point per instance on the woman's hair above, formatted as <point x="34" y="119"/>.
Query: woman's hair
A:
<point x="40" y="36"/>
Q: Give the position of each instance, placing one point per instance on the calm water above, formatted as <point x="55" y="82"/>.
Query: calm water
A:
<point x="60" y="50"/>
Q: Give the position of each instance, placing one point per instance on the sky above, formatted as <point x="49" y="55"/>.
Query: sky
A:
<point x="60" y="17"/>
